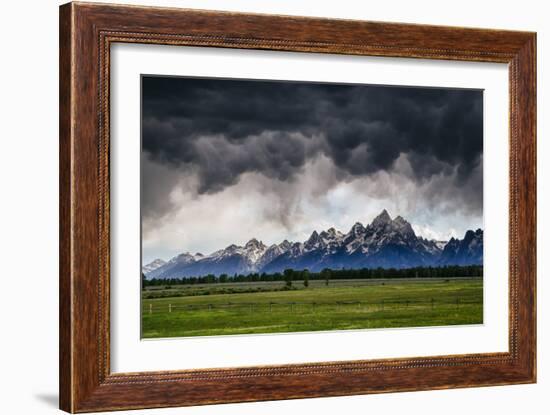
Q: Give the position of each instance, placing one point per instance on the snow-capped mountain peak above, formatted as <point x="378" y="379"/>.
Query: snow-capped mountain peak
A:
<point x="466" y="251"/>
<point x="285" y="245"/>
<point x="183" y="258"/>
<point x="254" y="244"/>
<point x="253" y="250"/>
<point x="331" y="235"/>
<point x="382" y="219"/>
<point x="383" y="243"/>
<point x="357" y="229"/>
<point x="314" y="242"/>
<point x="151" y="266"/>
<point x="403" y="226"/>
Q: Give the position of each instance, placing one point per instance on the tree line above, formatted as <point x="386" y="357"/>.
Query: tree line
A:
<point x="289" y="275"/>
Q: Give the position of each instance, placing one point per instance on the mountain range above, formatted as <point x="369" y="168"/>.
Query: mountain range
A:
<point x="385" y="242"/>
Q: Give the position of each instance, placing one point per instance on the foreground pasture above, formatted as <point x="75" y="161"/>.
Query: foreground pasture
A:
<point x="266" y="307"/>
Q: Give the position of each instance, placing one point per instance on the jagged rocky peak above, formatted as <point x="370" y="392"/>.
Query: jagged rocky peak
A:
<point x="313" y="240"/>
<point x="403" y="226"/>
<point x="399" y="220"/>
<point x="254" y="250"/>
<point x="452" y="242"/>
<point x="382" y="243"/>
<point x="473" y="238"/>
<point x="357" y="229"/>
<point x="473" y="234"/>
<point x="331" y="233"/>
<point x="254" y="244"/>
<point x="314" y="237"/>
<point x="228" y="250"/>
<point x="285" y="245"/>
<point x="466" y="251"/>
<point x="382" y="219"/>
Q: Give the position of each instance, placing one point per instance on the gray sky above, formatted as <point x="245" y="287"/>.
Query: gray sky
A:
<point x="227" y="160"/>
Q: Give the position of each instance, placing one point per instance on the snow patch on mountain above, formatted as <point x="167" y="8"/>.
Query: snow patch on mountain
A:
<point x="157" y="263"/>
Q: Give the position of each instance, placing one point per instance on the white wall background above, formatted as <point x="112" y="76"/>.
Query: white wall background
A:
<point x="29" y="189"/>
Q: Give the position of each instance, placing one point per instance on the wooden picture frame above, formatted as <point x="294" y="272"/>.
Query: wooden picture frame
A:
<point x="86" y="33"/>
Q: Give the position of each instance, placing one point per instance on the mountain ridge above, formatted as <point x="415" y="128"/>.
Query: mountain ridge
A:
<point x="385" y="242"/>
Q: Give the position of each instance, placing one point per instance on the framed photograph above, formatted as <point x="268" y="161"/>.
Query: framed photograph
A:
<point x="258" y="207"/>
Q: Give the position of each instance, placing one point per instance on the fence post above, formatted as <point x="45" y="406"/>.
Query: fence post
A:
<point x="150" y="308"/>
<point x="209" y="307"/>
<point x="169" y="308"/>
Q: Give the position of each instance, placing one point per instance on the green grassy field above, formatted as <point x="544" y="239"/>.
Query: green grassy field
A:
<point x="264" y="307"/>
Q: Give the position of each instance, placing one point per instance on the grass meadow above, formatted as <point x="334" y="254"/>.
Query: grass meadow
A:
<point x="267" y="307"/>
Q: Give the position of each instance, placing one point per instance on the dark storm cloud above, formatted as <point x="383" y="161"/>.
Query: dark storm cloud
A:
<point x="221" y="129"/>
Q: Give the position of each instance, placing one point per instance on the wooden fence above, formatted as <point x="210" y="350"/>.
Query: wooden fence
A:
<point x="304" y="307"/>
